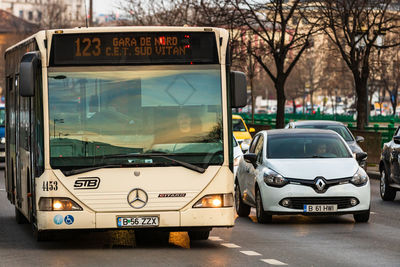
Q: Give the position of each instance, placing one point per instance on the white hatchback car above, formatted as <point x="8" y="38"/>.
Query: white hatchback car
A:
<point x="301" y="171"/>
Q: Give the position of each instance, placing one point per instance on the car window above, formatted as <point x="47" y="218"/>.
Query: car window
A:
<point x="397" y="132"/>
<point x="340" y="129"/>
<point x="238" y="125"/>
<point x="235" y="143"/>
<point x="259" y="148"/>
<point x="253" y="144"/>
<point x="306" y="146"/>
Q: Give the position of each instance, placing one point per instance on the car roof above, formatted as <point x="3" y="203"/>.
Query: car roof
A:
<point x="318" y="123"/>
<point x="236" y="116"/>
<point x="290" y="132"/>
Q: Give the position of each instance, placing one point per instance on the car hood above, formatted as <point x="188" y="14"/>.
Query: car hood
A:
<point x="355" y="148"/>
<point x="331" y="168"/>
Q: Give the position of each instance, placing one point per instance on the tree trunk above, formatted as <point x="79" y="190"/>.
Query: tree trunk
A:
<point x="281" y="99"/>
<point x="252" y="100"/>
<point x="294" y="105"/>
<point x="393" y="100"/>
<point x="362" y="100"/>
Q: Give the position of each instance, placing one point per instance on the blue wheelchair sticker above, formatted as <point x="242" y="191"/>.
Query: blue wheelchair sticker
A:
<point x="58" y="219"/>
<point x="69" y="219"/>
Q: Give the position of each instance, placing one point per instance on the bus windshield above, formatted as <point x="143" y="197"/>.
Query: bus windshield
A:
<point x="100" y="114"/>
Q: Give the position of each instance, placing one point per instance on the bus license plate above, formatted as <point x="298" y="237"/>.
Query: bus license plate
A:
<point x="320" y="208"/>
<point x="142" y="221"/>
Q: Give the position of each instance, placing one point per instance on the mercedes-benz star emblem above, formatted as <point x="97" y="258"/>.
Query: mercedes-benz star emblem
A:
<point x="137" y="198"/>
<point x="320" y="184"/>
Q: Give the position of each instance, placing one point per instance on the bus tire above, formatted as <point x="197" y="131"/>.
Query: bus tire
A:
<point x="19" y="217"/>
<point x="40" y="236"/>
<point x="199" y="235"/>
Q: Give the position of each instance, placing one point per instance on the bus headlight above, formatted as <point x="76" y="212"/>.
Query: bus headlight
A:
<point x="58" y="204"/>
<point x="215" y="201"/>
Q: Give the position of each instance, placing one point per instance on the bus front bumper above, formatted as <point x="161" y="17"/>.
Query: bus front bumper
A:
<point x="193" y="217"/>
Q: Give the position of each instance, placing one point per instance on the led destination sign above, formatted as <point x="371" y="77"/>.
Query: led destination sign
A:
<point x="134" y="48"/>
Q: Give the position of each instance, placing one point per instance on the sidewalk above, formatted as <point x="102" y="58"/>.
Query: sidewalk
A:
<point x="373" y="172"/>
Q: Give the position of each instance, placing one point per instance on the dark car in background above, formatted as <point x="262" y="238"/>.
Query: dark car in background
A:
<point x="2" y="133"/>
<point x="389" y="167"/>
<point x="338" y="127"/>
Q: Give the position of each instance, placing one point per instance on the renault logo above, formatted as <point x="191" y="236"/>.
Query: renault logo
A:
<point x="320" y="184"/>
<point x="137" y="198"/>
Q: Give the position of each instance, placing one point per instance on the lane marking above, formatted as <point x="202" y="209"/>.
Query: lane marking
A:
<point x="250" y="253"/>
<point x="230" y="245"/>
<point x="273" y="262"/>
<point x="215" y="238"/>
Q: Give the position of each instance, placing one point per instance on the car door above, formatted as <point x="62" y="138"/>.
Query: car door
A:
<point x="393" y="154"/>
<point x="244" y="171"/>
<point x="254" y="170"/>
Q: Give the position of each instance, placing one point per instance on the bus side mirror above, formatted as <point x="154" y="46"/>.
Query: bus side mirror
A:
<point x="27" y="73"/>
<point x="238" y="89"/>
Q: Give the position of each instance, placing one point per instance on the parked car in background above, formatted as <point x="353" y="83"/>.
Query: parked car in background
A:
<point x="241" y="132"/>
<point x="2" y="132"/>
<point x="338" y="127"/>
<point x="237" y="155"/>
<point x="389" y="168"/>
<point x="301" y="171"/>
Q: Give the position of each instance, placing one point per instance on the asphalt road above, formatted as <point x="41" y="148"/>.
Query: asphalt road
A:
<point x="289" y="240"/>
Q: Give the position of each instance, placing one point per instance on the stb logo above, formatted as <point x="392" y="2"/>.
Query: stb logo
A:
<point x="137" y="198"/>
<point x="87" y="183"/>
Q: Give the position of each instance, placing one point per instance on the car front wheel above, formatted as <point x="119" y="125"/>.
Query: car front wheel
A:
<point x="362" y="217"/>
<point x="262" y="216"/>
<point x="242" y="209"/>
<point x="387" y="192"/>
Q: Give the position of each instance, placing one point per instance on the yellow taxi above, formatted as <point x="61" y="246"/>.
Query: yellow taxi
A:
<point x="241" y="132"/>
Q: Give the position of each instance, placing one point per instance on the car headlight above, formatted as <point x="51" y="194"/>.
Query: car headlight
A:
<point x="58" y="204"/>
<point x="215" y="201"/>
<point x="3" y="140"/>
<point x="275" y="179"/>
<point x="359" y="178"/>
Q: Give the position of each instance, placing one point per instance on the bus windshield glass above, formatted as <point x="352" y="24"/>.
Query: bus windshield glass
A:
<point x="118" y="115"/>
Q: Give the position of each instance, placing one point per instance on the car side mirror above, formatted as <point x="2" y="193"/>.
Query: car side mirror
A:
<point x="252" y="130"/>
<point x="359" y="139"/>
<point x="360" y="156"/>
<point x="250" y="158"/>
<point x="238" y="88"/>
<point x="396" y="139"/>
<point x="30" y="62"/>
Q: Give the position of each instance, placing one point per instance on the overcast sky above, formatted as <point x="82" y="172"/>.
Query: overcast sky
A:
<point x="105" y="6"/>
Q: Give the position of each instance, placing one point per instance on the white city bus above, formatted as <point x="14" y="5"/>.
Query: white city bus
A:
<point x="124" y="127"/>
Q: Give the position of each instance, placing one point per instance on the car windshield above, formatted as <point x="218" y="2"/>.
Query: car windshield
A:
<point x="98" y="112"/>
<point x="306" y="146"/>
<point x="340" y="129"/>
<point x="238" y="125"/>
<point x="2" y="116"/>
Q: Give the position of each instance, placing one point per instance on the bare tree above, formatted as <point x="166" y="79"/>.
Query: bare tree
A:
<point x="355" y="27"/>
<point x="285" y="29"/>
<point x="53" y="15"/>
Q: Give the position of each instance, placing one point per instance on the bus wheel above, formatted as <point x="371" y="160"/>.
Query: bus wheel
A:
<point x="40" y="236"/>
<point x="19" y="217"/>
<point x="199" y="235"/>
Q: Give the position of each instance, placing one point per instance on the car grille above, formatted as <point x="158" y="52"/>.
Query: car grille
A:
<point x="299" y="202"/>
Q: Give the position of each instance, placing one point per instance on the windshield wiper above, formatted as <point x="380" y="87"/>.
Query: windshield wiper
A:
<point x="88" y="169"/>
<point x="159" y="154"/>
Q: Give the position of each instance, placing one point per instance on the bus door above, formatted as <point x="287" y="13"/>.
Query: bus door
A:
<point x="10" y="141"/>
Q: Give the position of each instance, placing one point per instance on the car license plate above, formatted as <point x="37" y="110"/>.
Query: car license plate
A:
<point x="320" y="208"/>
<point x="138" y="221"/>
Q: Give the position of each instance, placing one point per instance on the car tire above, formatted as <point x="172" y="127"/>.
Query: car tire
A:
<point x="262" y="216"/>
<point x="198" y="235"/>
<point x="362" y="217"/>
<point x="19" y="217"/>
<point x="387" y="193"/>
<point x="242" y="209"/>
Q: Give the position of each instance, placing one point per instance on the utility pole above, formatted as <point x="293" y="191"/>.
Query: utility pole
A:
<point x="90" y="13"/>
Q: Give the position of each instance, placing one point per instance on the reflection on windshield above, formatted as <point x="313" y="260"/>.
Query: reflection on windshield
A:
<point x="2" y="116"/>
<point x="306" y="146"/>
<point x="95" y="112"/>
<point x="341" y="130"/>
